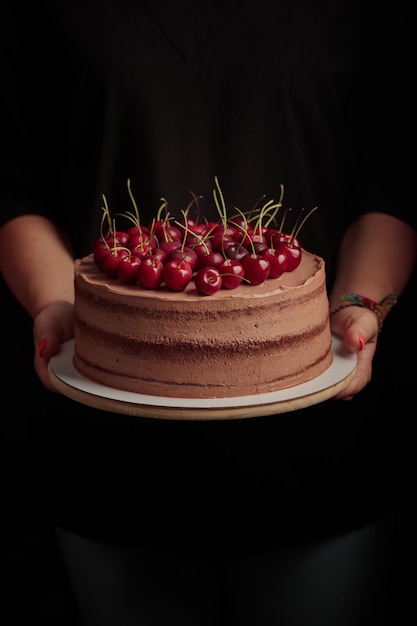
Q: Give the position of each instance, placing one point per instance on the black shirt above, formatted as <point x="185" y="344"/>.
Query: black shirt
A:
<point x="316" y="96"/>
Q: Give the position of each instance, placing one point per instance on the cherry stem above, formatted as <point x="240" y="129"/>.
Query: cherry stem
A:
<point x="281" y="228"/>
<point x="201" y="240"/>
<point x="133" y="217"/>
<point x="295" y="234"/>
<point x="221" y="207"/>
<point x="244" y="230"/>
<point x="261" y="216"/>
<point x="135" y="206"/>
<point x="188" y="207"/>
<point x="105" y="216"/>
<point x="276" y="206"/>
<point x="163" y="207"/>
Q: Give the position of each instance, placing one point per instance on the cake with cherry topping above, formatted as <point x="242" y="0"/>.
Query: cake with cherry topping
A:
<point x="203" y="309"/>
<point x="250" y="340"/>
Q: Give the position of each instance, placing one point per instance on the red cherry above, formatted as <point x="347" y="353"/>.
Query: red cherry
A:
<point x="202" y="250"/>
<point x="293" y="258"/>
<point x="198" y="229"/>
<point x="140" y="250"/>
<point x="209" y="228"/>
<point x="236" y="252"/>
<point x="293" y="254"/>
<point x="212" y="259"/>
<point x="220" y="243"/>
<point x="186" y="254"/>
<point x="292" y="250"/>
<point x="101" y="248"/>
<point x="133" y="230"/>
<point x="272" y="236"/>
<point x="288" y="239"/>
<point x="260" y="247"/>
<point x="118" y="238"/>
<point x="141" y="239"/>
<point x="232" y="273"/>
<point x="208" y="280"/>
<point x="127" y="269"/>
<point x="239" y="223"/>
<point x="156" y="253"/>
<point x="169" y="246"/>
<point x="195" y="241"/>
<point x="150" y="272"/>
<point x="252" y="237"/>
<point x="277" y="261"/>
<point x="167" y="232"/>
<point x="226" y="231"/>
<point x="177" y="274"/>
<point x="256" y="268"/>
<point x="111" y="260"/>
<point x="190" y="223"/>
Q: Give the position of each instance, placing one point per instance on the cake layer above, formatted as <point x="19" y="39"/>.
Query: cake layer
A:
<point x="249" y="340"/>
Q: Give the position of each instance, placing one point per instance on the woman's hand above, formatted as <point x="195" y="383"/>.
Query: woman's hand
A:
<point x="365" y="267"/>
<point x="358" y="328"/>
<point x="52" y="326"/>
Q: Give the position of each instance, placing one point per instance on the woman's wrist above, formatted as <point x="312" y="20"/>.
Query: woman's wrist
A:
<point x="381" y="308"/>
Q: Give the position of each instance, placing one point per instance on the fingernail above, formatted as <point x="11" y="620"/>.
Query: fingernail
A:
<point x="42" y="347"/>
<point x="361" y="343"/>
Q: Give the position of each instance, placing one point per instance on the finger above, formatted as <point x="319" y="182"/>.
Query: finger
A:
<point x="357" y="326"/>
<point x="363" y="372"/>
<point x="41" y="366"/>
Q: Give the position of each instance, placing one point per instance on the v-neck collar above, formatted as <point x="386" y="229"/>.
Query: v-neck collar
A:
<point x="190" y="25"/>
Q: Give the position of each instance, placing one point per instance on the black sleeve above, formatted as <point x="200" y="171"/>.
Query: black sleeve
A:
<point x="382" y="111"/>
<point x="33" y="120"/>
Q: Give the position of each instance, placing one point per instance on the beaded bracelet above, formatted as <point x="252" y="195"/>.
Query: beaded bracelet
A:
<point x="355" y="299"/>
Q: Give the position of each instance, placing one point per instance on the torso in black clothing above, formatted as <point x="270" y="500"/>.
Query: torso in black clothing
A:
<point x="171" y="95"/>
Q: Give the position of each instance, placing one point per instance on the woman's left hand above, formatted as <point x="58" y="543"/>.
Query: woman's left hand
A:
<point x="358" y="327"/>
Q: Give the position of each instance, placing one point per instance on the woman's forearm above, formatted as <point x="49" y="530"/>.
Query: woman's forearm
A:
<point x="36" y="262"/>
<point x="376" y="258"/>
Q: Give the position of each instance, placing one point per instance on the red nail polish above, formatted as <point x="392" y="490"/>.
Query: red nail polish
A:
<point x="42" y="347"/>
<point x="361" y="343"/>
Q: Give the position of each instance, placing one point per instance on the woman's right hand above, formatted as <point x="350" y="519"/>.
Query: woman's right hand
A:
<point x="52" y="326"/>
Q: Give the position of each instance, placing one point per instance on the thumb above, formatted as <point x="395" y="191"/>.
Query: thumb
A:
<point x="354" y="339"/>
<point x="356" y="326"/>
<point x="47" y="345"/>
